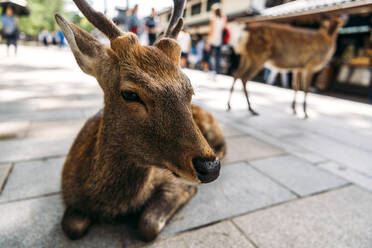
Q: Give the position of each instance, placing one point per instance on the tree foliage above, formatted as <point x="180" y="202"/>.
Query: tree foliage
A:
<point x="42" y="16"/>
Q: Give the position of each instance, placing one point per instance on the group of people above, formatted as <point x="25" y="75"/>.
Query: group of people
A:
<point x="198" y="52"/>
<point x="147" y="30"/>
<point x="55" y="38"/>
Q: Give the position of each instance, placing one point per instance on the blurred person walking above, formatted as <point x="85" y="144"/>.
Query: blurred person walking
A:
<point x="10" y="29"/>
<point x="215" y="37"/>
<point x="133" y="22"/>
<point x="184" y="40"/>
<point x="152" y="26"/>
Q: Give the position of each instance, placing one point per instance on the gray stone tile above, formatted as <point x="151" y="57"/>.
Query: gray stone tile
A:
<point x="5" y="170"/>
<point x="309" y="156"/>
<point x="34" y="148"/>
<point x="248" y="148"/>
<point x="350" y="156"/>
<point x="348" y="174"/>
<point x="298" y="175"/>
<point x="238" y="190"/>
<point x="36" y="223"/>
<point x="281" y="143"/>
<point x="30" y="179"/>
<point x="46" y="115"/>
<point x="229" y="131"/>
<point x="338" y="219"/>
<point x="220" y="235"/>
<point x="13" y="129"/>
<point x="172" y="242"/>
<point x="61" y="128"/>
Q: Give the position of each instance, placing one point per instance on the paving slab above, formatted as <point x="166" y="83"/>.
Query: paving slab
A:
<point x="245" y="148"/>
<point x="34" y="148"/>
<point x="5" y="170"/>
<point x="31" y="179"/>
<point x="229" y="131"/>
<point x="36" y="223"/>
<point x="220" y="235"/>
<point x="54" y="129"/>
<point x="281" y="143"/>
<point x="348" y="174"/>
<point x="298" y="175"/>
<point x="239" y="189"/>
<point x="13" y="129"/>
<point x="337" y="219"/>
<point x="350" y="156"/>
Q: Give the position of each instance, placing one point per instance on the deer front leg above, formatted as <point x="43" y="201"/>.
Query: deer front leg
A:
<point x="231" y="91"/>
<point x="306" y="81"/>
<point x="75" y="224"/>
<point x="161" y="207"/>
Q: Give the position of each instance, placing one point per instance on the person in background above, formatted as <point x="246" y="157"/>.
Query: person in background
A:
<point x="61" y="38"/>
<point x="273" y="72"/>
<point x="134" y="22"/>
<point x="152" y="26"/>
<point x="206" y="58"/>
<point x="215" y="37"/>
<point x="10" y="30"/>
<point x="194" y="56"/>
<point x="184" y="40"/>
<point x="44" y="37"/>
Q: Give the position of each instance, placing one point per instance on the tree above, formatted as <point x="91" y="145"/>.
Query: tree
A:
<point x="42" y="16"/>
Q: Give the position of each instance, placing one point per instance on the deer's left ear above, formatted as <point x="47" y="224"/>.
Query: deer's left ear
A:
<point x="88" y="51"/>
<point x="171" y="48"/>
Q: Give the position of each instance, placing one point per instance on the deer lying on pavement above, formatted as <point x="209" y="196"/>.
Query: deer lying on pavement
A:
<point x="135" y="155"/>
<point x="299" y="50"/>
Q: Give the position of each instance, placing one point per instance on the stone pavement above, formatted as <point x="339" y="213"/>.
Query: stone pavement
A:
<point x="285" y="182"/>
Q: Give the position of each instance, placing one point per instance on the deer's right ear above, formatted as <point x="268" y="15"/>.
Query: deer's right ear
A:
<point x="88" y="51"/>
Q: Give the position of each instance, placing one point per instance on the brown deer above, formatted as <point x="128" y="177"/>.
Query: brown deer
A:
<point x="136" y="154"/>
<point x="299" y="50"/>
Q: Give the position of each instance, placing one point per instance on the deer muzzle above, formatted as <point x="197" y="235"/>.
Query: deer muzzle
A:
<point x="207" y="169"/>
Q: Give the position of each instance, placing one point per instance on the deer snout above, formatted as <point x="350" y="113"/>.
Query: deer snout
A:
<point x="207" y="169"/>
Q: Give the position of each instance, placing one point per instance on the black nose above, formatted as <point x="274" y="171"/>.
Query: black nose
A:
<point x="207" y="169"/>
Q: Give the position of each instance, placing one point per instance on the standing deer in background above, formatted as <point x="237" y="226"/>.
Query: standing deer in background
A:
<point x="299" y="50"/>
<point x="135" y="155"/>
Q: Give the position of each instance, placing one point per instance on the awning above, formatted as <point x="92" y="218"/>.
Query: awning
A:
<point x="305" y="8"/>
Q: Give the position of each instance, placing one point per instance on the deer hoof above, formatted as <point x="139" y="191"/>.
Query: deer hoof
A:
<point x="253" y="112"/>
<point x="74" y="224"/>
<point x="228" y="108"/>
<point x="150" y="227"/>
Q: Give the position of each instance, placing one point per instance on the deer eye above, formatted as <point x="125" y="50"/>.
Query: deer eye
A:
<point x="130" y="96"/>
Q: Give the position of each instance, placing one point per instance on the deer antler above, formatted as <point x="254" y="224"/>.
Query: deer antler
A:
<point x="99" y="20"/>
<point x="176" y="22"/>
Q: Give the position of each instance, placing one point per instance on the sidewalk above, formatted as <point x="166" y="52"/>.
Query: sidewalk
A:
<point x="286" y="182"/>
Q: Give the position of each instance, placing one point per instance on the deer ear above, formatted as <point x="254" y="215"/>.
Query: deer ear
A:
<point x="88" y="51"/>
<point x="171" y="48"/>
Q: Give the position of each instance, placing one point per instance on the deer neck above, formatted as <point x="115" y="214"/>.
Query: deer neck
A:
<point x="115" y="165"/>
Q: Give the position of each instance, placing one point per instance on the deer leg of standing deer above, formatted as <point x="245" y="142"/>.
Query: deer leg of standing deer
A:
<point x="246" y="96"/>
<point x="231" y="91"/>
<point x="75" y="224"/>
<point x="295" y="86"/>
<point x="161" y="207"/>
<point x="306" y="81"/>
<point x="305" y="112"/>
